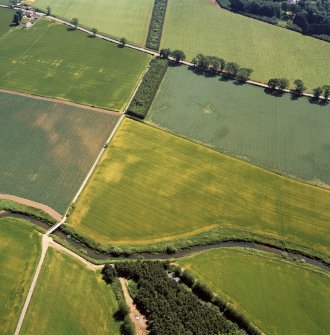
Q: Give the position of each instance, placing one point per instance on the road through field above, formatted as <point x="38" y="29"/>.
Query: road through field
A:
<point x="45" y="244"/>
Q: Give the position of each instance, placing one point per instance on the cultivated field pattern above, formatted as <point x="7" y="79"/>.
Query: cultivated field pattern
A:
<point x="199" y="26"/>
<point x="49" y="148"/>
<point x="49" y="60"/>
<point x="124" y="18"/>
<point x="277" y="133"/>
<point x="172" y="188"/>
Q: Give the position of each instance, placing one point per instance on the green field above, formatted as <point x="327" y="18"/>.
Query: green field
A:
<point x="49" y="60"/>
<point x="152" y="186"/>
<point x="280" y="297"/>
<point x="6" y="17"/>
<point x="198" y="26"/>
<point x="291" y="137"/>
<point x="70" y="299"/>
<point x="124" y="18"/>
<point x="47" y="149"/>
<point x="19" y="249"/>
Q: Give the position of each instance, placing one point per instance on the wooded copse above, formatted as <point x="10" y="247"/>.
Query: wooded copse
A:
<point x="144" y="96"/>
<point x="308" y="16"/>
<point x="156" y="24"/>
<point x="168" y="306"/>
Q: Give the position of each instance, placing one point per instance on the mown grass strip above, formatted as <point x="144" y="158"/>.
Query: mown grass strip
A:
<point x="156" y="25"/>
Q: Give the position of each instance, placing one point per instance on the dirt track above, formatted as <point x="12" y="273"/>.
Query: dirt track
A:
<point x="137" y="318"/>
<point x="56" y="215"/>
<point x="59" y="101"/>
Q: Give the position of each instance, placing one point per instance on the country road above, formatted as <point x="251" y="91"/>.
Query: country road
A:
<point x="45" y="244"/>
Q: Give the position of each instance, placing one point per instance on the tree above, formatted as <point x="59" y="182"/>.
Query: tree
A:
<point x="94" y="31"/>
<point x="326" y="92"/>
<point x="283" y="83"/>
<point x="109" y="273"/>
<point x="300" y="86"/>
<point x="16" y="19"/>
<point x="215" y="63"/>
<point x="75" y="22"/>
<point x="127" y="327"/>
<point x="273" y="83"/>
<point x="122" y="311"/>
<point x="188" y="278"/>
<point x="244" y="74"/>
<point x="317" y="91"/>
<point x="178" y="55"/>
<point x="232" y="68"/>
<point x="49" y="10"/>
<point x="123" y="41"/>
<point x="165" y="53"/>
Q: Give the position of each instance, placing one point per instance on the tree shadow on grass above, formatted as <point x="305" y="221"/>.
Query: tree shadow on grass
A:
<point x="71" y="29"/>
<point x="319" y="102"/>
<point x="274" y="93"/>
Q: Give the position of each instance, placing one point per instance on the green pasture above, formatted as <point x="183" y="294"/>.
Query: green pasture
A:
<point x="152" y="186"/>
<point x="124" y="18"/>
<point x="47" y="149"/>
<point x="291" y="137"/>
<point x="5" y="2"/>
<point x="19" y="254"/>
<point x="70" y="299"/>
<point x="199" y="26"/>
<point x="6" y="17"/>
<point x="49" y="60"/>
<point x="280" y="297"/>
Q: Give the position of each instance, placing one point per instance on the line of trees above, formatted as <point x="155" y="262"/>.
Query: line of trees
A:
<point x="218" y="65"/>
<point x="300" y="88"/>
<point x="168" y="306"/>
<point x="156" y="24"/>
<point x="206" y="294"/>
<point x="177" y="55"/>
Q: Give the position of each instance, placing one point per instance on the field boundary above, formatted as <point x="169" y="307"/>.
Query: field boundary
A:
<point x="48" y="210"/>
<point x="59" y="101"/>
<point x="150" y="52"/>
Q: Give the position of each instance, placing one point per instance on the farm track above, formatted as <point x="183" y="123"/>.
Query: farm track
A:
<point x="139" y="321"/>
<point x="59" y="101"/>
<point x="52" y="212"/>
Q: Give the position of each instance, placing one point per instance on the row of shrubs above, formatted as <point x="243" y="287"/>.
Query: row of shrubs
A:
<point x="168" y="306"/>
<point x="156" y="24"/>
<point x="122" y="314"/>
<point x="205" y="294"/>
<point x="145" y="94"/>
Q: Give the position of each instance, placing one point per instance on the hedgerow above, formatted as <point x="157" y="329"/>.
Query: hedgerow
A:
<point x="168" y="306"/>
<point x="142" y="100"/>
<point x="156" y="24"/>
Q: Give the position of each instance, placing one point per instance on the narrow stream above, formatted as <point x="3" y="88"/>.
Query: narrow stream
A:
<point x="179" y="254"/>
